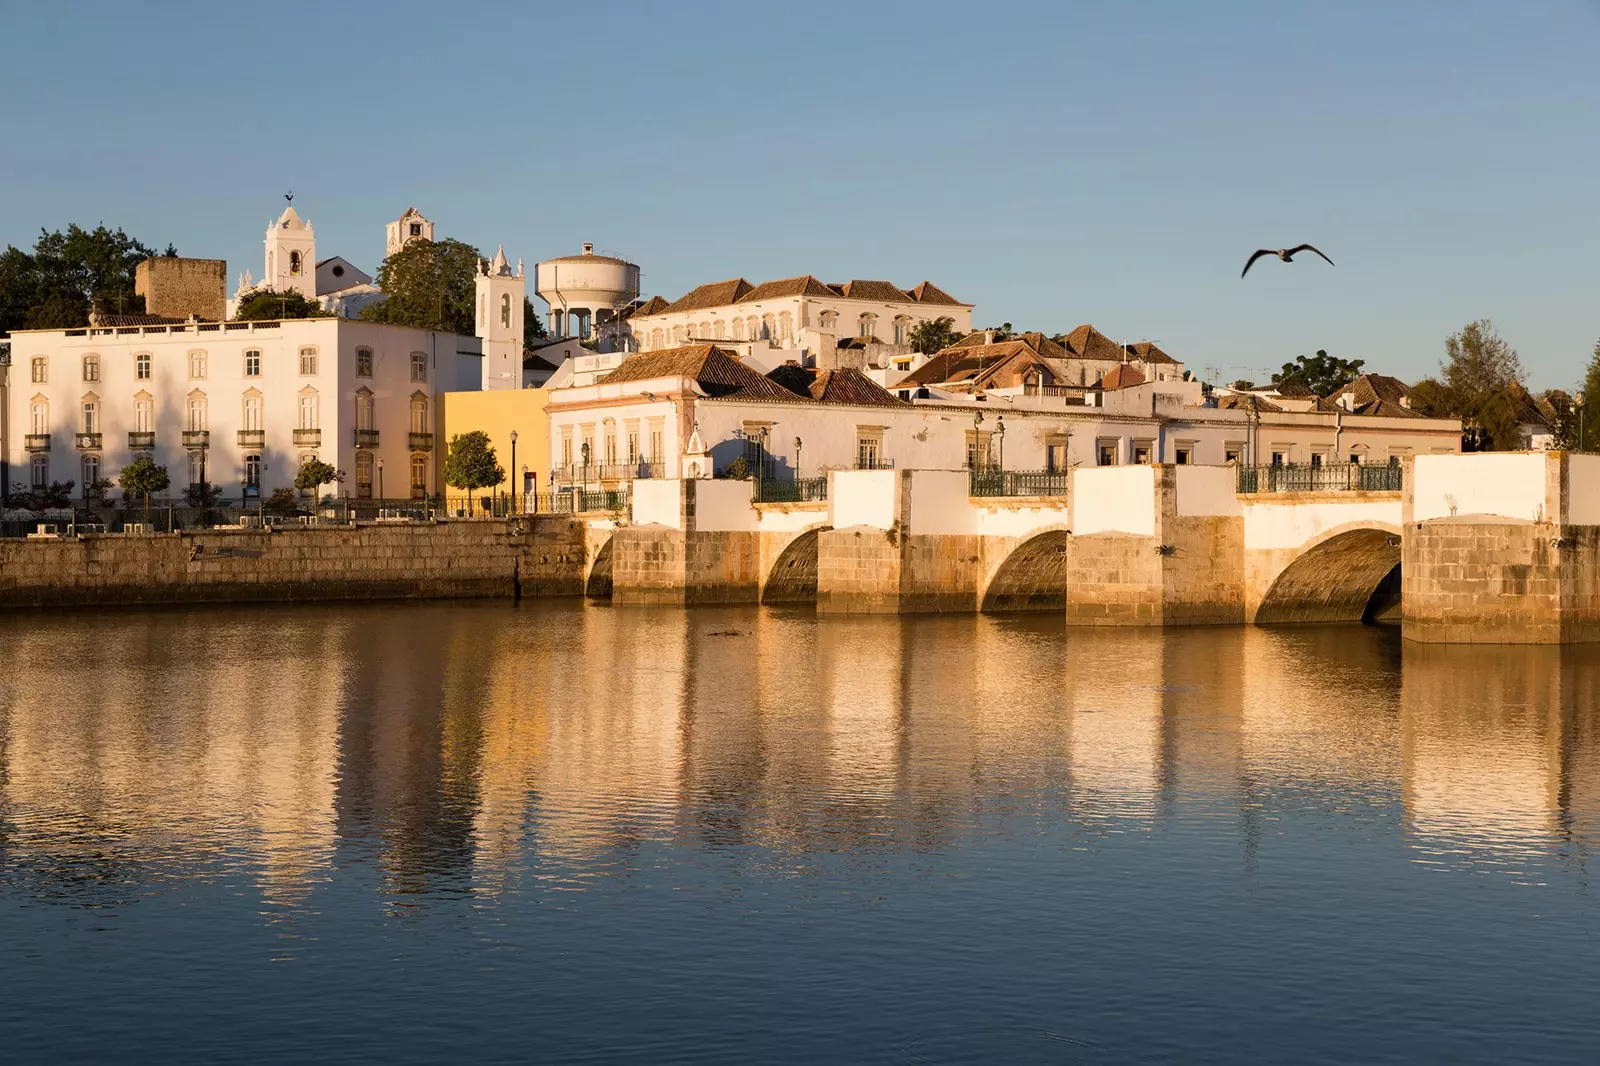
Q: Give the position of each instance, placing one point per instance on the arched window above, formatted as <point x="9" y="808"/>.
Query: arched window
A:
<point x="902" y="328"/>
<point x="868" y="325"/>
<point x="364" y="409"/>
<point x="141" y="366"/>
<point x="419" y="476"/>
<point x="704" y="331"/>
<point x="196" y="409"/>
<point x="769" y="327"/>
<point x="308" y="409"/>
<point x="505" y="310"/>
<point x="754" y="325"/>
<point x="786" y="328"/>
<point x="294" y="264"/>
<point x="738" y="329"/>
<point x="828" y="319"/>
<point x="719" y="329"/>
<point x="419" y="413"/>
<point x="91" y="415"/>
<point x="677" y="335"/>
<point x="655" y="338"/>
<point x="252" y="411"/>
<point x="91" y="367"/>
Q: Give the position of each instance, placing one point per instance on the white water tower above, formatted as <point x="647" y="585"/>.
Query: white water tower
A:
<point x="586" y="294"/>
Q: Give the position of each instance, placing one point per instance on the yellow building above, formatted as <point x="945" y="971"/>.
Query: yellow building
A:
<point x="498" y="412"/>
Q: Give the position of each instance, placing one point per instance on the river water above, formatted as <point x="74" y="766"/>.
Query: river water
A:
<point x="420" y="833"/>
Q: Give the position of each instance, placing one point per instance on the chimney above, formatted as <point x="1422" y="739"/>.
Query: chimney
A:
<point x="588" y="247"/>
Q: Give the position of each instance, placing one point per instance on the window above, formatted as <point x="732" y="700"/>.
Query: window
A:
<point x="867" y="324"/>
<point x="39" y="466"/>
<point x="1141" y="452"/>
<point x="363" y="362"/>
<point x="977" y="450"/>
<point x="1277" y="458"/>
<point x="39" y="418"/>
<point x="419" y="366"/>
<point x="142" y="416"/>
<point x="566" y="447"/>
<point x="633" y="445"/>
<point x="419" y="414"/>
<point x="902" y="327"/>
<point x="419" y="476"/>
<point x="91" y="473"/>
<point x="197" y="466"/>
<point x="1106" y="452"/>
<point x="308" y="362"/>
<point x="308" y="411"/>
<point x="295" y="263"/>
<point x="364" y="475"/>
<point x="719" y="330"/>
<point x="611" y="446"/>
<point x="252" y="363"/>
<point x="197" y="365"/>
<point x="91" y="416"/>
<point x="41" y="369"/>
<point x="91" y="368"/>
<point x="656" y="453"/>
<point x="1184" y="454"/>
<point x="364" y="410"/>
<point x="1055" y="455"/>
<point x="769" y="328"/>
<point x="416" y="229"/>
<point x="505" y="310"/>
<point x="141" y="366"/>
<point x="828" y="319"/>
<point x="1232" y="453"/>
<point x="738" y="329"/>
<point x="197" y="413"/>
<point x="1316" y="458"/>
<point x="785" y="329"/>
<point x="869" y="449"/>
<point x="252" y="413"/>
<point x="252" y="475"/>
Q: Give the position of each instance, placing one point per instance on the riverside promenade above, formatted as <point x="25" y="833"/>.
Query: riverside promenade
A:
<point x="1492" y="548"/>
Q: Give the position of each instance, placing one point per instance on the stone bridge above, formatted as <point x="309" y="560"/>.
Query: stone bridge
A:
<point x="1477" y="547"/>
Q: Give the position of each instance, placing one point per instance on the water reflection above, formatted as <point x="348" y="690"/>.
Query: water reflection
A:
<point x="479" y="752"/>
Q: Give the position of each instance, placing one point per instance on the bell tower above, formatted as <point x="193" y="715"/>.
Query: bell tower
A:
<point x="501" y="295"/>
<point x="291" y="256"/>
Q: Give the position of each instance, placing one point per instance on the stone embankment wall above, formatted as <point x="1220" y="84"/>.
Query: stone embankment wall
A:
<point x="543" y="556"/>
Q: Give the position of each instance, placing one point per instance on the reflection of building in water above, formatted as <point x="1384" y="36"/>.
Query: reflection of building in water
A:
<point x="1499" y="748"/>
<point x="234" y="766"/>
<point x="1114" y="695"/>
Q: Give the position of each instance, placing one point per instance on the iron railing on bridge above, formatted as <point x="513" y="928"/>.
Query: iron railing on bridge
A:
<point x="1019" y="482"/>
<point x="791" y="490"/>
<point x="1331" y="477"/>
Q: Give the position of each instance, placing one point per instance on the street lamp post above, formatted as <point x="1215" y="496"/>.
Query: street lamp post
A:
<point x="522" y="491"/>
<point x="1578" y="401"/>
<point x="380" y="481"/>
<point x="514" y="453"/>
<point x="797" y="458"/>
<point x="1000" y="437"/>
<point x="980" y="455"/>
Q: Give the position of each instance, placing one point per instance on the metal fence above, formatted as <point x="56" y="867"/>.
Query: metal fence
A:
<point x="1019" y="482"/>
<point x="791" y="490"/>
<point x="1332" y="477"/>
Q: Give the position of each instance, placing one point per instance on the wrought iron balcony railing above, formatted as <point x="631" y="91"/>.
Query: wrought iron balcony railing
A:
<point x="38" y="442"/>
<point x="991" y="482"/>
<point x="421" y="442"/>
<point x="874" y="464"/>
<point x="1331" y="477"/>
<point x="366" y="438"/>
<point x="791" y="490"/>
<point x="86" y="442"/>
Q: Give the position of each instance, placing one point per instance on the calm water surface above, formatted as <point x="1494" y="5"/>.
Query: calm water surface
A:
<point x="558" y="833"/>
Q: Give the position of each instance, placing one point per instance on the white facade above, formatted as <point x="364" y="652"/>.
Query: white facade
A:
<point x="239" y="404"/>
<point x="501" y="296"/>
<point x="588" y="294"/>
<point x="409" y="227"/>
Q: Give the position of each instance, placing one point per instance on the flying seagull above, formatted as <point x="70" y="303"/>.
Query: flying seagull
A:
<point x="1286" y="254"/>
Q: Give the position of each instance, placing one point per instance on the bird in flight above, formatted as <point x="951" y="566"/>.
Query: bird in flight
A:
<point x="1286" y="254"/>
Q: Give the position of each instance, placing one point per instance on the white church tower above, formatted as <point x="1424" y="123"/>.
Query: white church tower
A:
<point x="501" y="295"/>
<point x="291" y="256"/>
<point x="409" y="227"/>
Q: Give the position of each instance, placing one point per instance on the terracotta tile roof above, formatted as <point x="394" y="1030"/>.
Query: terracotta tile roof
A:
<point x="1087" y="342"/>
<point x="653" y="306"/>
<point x="873" y="290"/>
<point x="109" y="321"/>
<point x="530" y="361"/>
<point x="1149" y="352"/>
<point x="929" y="293"/>
<point x="1371" y="388"/>
<point x="1294" y="389"/>
<point x="794" y="377"/>
<point x="716" y="294"/>
<point x="846" y="385"/>
<point x="805" y="285"/>
<point x="717" y="372"/>
<point x="1121" y="376"/>
<point x="1241" y="401"/>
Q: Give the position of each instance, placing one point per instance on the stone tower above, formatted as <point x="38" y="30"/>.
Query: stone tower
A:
<point x="501" y="295"/>
<point x="291" y="256"/>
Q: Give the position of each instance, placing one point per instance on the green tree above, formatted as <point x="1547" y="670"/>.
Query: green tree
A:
<point x="144" y="478"/>
<point x="67" y="275"/>
<point x="470" y="462"/>
<point x="1563" y="412"/>
<point x="429" y="285"/>
<point x="1589" y="439"/>
<point x="282" y="503"/>
<point x="934" y="336"/>
<point x="1479" y="372"/>
<point x="314" y="473"/>
<point x="267" y="304"/>
<point x="1322" y="373"/>
<point x="1429" y="397"/>
<point x="532" y="327"/>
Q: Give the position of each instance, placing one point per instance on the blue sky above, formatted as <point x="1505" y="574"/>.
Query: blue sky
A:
<point x="1052" y="163"/>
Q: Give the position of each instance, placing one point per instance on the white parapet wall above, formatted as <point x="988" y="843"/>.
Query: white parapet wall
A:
<point x="724" y="507"/>
<point x="940" y="504"/>
<point x="658" y="502"/>
<point x="1583" y="490"/>
<point x="863" y="498"/>
<point x="1114" y="499"/>
<point x="1505" y="485"/>
<point x="1207" y="491"/>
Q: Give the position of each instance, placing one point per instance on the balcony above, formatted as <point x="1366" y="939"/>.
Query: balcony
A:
<point x="791" y="490"/>
<point x="252" y="438"/>
<point x="872" y="462"/>
<point x="1332" y="477"/>
<point x="38" y="442"/>
<point x="990" y="482"/>
<point x="584" y="473"/>
<point x="308" y="438"/>
<point x="421" y="442"/>
<point x="366" y="438"/>
<point x="197" y="438"/>
<point x="86" y="442"/>
<point x="141" y="442"/>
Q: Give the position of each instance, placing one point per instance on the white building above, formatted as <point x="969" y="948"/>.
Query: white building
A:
<point x="857" y="323"/>
<point x="238" y="404"/>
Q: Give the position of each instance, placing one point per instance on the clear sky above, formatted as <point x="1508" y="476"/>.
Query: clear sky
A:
<point x="1053" y="163"/>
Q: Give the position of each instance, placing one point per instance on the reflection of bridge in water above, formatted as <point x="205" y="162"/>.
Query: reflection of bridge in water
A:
<point x="1499" y="548"/>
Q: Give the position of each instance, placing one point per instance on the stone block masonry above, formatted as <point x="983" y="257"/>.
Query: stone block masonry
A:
<point x="178" y="287"/>
<point x="542" y="556"/>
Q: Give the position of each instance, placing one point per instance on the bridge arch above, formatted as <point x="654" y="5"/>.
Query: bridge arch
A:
<point x="1033" y="577"/>
<point x="793" y="577"/>
<point x="597" y="585"/>
<point x="1336" y="577"/>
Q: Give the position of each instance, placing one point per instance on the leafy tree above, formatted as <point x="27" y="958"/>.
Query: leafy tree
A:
<point x="1322" y="373"/>
<point x="738" y="469"/>
<point x="57" y="496"/>
<point x="282" y="503"/>
<point x="1479" y="372"/>
<point x="470" y="462"/>
<point x="267" y="304"/>
<point x="1590" y="438"/>
<point x="430" y="285"/>
<point x="1429" y="397"/>
<point x="68" y="275"/>
<point x="1243" y="385"/>
<point x="1565" y="423"/>
<point x="1003" y="333"/>
<point x="94" y="493"/>
<point x="532" y="328"/>
<point x="934" y="336"/>
<point x="144" y="478"/>
<point x="314" y="473"/>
